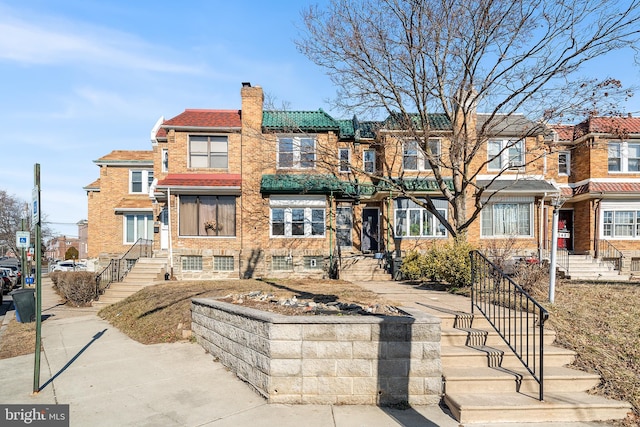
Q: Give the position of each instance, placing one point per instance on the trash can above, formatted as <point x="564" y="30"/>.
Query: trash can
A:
<point x="25" y="302"/>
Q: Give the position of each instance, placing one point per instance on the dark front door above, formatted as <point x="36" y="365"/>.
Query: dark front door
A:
<point x="565" y="229"/>
<point x="370" y="230"/>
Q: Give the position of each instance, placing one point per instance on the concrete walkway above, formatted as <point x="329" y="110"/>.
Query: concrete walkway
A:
<point x="110" y="380"/>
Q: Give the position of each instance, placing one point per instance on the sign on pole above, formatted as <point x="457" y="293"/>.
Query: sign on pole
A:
<point x="23" y="239"/>
<point x="35" y="206"/>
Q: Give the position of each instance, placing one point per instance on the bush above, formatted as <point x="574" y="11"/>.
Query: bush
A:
<point x="448" y="262"/>
<point x="77" y="287"/>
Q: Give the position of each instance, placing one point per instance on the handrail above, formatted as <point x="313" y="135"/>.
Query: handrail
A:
<point x="515" y="315"/>
<point x="606" y="251"/>
<point x="119" y="267"/>
<point x="562" y="256"/>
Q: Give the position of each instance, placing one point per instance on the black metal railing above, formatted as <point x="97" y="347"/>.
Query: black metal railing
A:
<point x="119" y="267"/>
<point x="515" y="315"/>
<point x="562" y="256"/>
<point x="605" y="251"/>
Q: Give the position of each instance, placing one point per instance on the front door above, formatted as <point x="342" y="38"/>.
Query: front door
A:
<point x="565" y="229"/>
<point x="370" y="230"/>
<point x="344" y="225"/>
<point x="164" y="228"/>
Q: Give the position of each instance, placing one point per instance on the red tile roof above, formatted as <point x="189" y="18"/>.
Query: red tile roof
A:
<point x="607" y="187"/>
<point x="201" y="180"/>
<point x="620" y="126"/>
<point x="205" y="119"/>
<point x="565" y="132"/>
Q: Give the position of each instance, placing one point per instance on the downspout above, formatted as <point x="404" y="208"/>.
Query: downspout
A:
<point x="541" y="227"/>
<point x="388" y="245"/>
<point x="330" y="231"/>
<point x="170" y="230"/>
<point x="596" y="220"/>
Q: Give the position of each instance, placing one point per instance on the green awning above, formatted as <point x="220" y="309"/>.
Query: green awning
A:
<point x="304" y="184"/>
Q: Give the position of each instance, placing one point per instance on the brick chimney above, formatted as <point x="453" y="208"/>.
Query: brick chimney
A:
<point x="252" y="104"/>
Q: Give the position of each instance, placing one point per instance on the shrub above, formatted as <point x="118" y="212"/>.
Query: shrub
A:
<point x="77" y="287"/>
<point x="448" y="262"/>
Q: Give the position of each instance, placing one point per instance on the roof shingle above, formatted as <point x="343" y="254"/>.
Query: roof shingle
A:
<point x="205" y="119"/>
<point x="201" y="180"/>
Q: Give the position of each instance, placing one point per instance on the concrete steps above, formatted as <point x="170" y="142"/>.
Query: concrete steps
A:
<point x="485" y="382"/>
<point x="356" y="268"/>
<point x="585" y="267"/>
<point x="146" y="272"/>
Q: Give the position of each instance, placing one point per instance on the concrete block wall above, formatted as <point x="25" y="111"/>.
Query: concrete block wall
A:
<point x="349" y="360"/>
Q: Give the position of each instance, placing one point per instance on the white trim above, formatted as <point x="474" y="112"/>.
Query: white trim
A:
<point x="297" y="201"/>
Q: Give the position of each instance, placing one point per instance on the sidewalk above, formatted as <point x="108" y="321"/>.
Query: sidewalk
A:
<point x="110" y="380"/>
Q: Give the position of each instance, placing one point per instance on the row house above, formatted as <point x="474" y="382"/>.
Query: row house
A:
<point x="263" y="193"/>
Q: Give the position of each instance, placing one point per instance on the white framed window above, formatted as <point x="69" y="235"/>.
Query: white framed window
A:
<point x="369" y="161"/>
<point x="165" y="160"/>
<point x="344" y="157"/>
<point x="140" y="181"/>
<point x="209" y="152"/>
<point x="207" y="215"/>
<point x="413" y="221"/>
<point x="415" y="159"/>
<point x="299" y="217"/>
<point x="623" y="157"/>
<point x="191" y="263"/>
<point x="508" y="218"/>
<point x="295" y="152"/>
<point x="564" y="163"/>
<point x="505" y="154"/>
<point x="137" y="226"/>
<point x="620" y="219"/>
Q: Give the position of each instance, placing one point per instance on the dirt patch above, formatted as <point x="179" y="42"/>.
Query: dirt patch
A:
<point x="18" y="339"/>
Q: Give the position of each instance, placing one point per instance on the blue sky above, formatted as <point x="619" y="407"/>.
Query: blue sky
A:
<point x="82" y="78"/>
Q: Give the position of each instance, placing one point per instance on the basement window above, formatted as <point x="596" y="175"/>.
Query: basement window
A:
<point x="191" y="263"/>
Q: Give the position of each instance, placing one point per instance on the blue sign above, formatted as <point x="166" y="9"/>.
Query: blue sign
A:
<point x="28" y="280"/>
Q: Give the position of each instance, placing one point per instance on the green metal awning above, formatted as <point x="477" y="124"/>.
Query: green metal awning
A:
<point x="304" y="184"/>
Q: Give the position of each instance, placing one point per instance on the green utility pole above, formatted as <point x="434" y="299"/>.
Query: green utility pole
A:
<point x="35" y="210"/>
<point x="23" y="256"/>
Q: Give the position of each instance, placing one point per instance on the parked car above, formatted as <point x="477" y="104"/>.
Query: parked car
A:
<point x="16" y="271"/>
<point x="11" y="274"/>
<point x="7" y="283"/>
<point x="69" y="266"/>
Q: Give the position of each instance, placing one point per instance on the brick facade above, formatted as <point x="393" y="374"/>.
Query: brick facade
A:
<point x="249" y="172"/>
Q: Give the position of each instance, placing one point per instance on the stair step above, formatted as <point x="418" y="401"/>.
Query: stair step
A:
<point x="526" y="408"/>
<point x="456" y="356"/>
<point x="501" y="380"/>
<point x="480" y="337"/>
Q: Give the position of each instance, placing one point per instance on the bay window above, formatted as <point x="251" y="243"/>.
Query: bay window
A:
<point x="507" y="219"/>
<point x="293" y="216"/>
<point x="412" y="220"/>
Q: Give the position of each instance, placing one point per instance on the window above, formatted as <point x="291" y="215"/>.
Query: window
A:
<point x="138" y="226"/>
<point x="165" y="160"/>
<point x="297" y="216"/>
<point x="621" y="224"/>
<point x="140" y="181"/>
<point x="414" y="158"/>
<point x="209" y="152"/>
<point x="507" y="219"/>
<point x="223" y="263"/>
<point x="369" y="161"/>
<point x="207" y="215"/>
<point x="282" y="263"/>
<point x="344" y="155"/>
<point x="313" y="262"/>
<point x="191" y="263"/>
<point x="296" y="152"/>
<point x="412" y="220"/>
<point x="624" y="157"/>
<point x="505" y="154"/>
<point x="297" y="222"/>
<point x="564" y="163"/>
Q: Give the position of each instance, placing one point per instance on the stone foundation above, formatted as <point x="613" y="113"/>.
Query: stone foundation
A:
<point x="360" y="360"/>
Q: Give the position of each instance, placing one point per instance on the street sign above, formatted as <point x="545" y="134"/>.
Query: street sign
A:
<point x="35" y="206"/>
<point x="23" y="239"/>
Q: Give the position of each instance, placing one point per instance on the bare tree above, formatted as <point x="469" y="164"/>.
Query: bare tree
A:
<point x="11" y="214"/>
<point x="409" y="59"/>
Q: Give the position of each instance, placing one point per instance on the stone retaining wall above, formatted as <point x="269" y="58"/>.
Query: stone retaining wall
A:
<point x="370" y="360"/>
